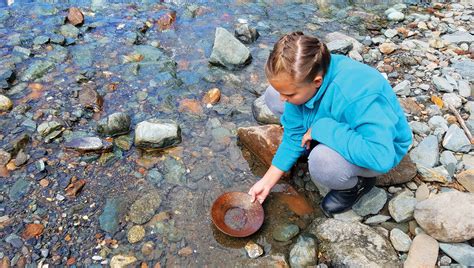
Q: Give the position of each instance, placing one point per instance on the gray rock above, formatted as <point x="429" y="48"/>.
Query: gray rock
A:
<point x="400" y="240"/>
<point x="304" y="252"/>
<point x="438" y="122"/>
<point x="445" y="222"/>
<point x="377" y="219"/>
<point x="333" y="36"/>
<point x="175" y="171"/>
<point x="40" y="40"/>
<point x="390" y="33"/>
<point x="69" y="31"/>
<point x="143" y="209"/>
<point x="14" y="240"/>
<point x="403" y="88"/>
<point x="442" y="84"/>
<point x="420" y="128"/>
<point x="45" y="128"/>
<point x="396" y="16"/>
<point x="455" y="140"/>
<point x="228" y="51"/>
<point x="37" y="70"/>
<point x="352" y="244"/>
<point x="88" y="144"/>
<point x="111" y="215"/>
<point x="438" y="174"/>
<point x="262" y="114"/>
<point x="401" y="207"/>
<point x="370" y="203"/>
<point x="245" y="33"/>
<point x="19" y="189"/>
<point x="464" y="67"/>
<point x="115" y="124"/>
<point x="349" y="215"/>
<point x="285" y="232"/>
<point x="458" y="37"/>
<point x="6" y="77"/>
<point x="462" y="253"/>
<point x="340" y="46"/>
<point x="452" y="99"/>
<point x="427" y="152"/>
<point x="157" y="133"/>
<point x="449" y="161"/>
<point x="464" y="88"/>
<point x="4" y="157"/>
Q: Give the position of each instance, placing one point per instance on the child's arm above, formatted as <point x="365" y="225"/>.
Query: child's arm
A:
<point x="261" y="189"/>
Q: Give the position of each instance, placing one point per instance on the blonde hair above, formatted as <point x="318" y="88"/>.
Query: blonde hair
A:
<point x="301" y="56"/>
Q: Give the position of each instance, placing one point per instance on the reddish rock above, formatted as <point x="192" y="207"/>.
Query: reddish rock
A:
<point x="75" y="16"/>
<point x="90" y="98"/>
<point x="404" y="172"/>
<point x="32" y="230"/>
<point x="74" y="188"/>
<point x="212" y="96"/>
<point x="190" y="106"/>
<point x="410" y="106"/>
<point x="185" y="252"/>
<point x="262" y="141"/>
<point x="5" y="262"/>
<point x="166" y="21"/>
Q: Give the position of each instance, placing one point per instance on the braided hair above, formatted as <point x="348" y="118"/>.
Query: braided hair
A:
<point x="301" y="56"/>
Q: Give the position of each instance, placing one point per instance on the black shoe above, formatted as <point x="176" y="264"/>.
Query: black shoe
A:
<point x="337" y="201"/>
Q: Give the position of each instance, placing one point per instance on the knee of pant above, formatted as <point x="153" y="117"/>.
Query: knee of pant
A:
<point x="324" y="169"/>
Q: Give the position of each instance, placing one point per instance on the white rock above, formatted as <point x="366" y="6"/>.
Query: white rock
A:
<point x="400" y="240"/>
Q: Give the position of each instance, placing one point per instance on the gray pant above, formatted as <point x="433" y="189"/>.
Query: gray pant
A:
<point x="326" y="166"/>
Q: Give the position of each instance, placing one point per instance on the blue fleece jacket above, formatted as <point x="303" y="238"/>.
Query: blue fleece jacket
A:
<point x="355" y="112"/>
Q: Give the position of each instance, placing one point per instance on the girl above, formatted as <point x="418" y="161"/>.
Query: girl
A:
<point x="347" y="108"/>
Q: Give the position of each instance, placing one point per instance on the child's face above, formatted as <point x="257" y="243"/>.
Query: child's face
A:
<point x="294" y="92"/>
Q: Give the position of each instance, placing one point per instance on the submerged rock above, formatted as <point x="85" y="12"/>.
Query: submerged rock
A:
<point x="352" y="244"/>
<point x="115" y="124"/>
<point x="304" y="252"/>
<point x="5" y="103"/>
<point x="285" y="232"/>
<point x="37" y="70"/>
<point x="122" y="261"/>
<point x="144" y="208"/>
<point x="262" y="141"/>
<point x="111" y="215"/>
<point x="157" y="133"/>
<point x="447" y="223"/>
<point x="245" y="33"/>
<point x="228" y="51"/>
<point x="136" y="234"/>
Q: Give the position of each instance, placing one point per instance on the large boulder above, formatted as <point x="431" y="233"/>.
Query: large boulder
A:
<point x="157" y="133"/>
<point x="448" y="217"/>
<point x="353" y="244"/>
<point x="262" y="141"/>
<point x="404" y="172"/>
<point x="228" y="51"/>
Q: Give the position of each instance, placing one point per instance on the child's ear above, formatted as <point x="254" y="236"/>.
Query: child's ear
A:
<point x="318" y="80"/>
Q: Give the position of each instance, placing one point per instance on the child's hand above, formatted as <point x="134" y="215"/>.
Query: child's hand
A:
<point x="306" y="141"/>
<point x="260" y="190"/>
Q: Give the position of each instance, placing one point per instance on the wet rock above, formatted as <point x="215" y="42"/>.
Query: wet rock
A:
<point x="19" y="189"/>
<point x="370" y="203"/>
<point x="111" y="215"/>
<point x="401" y="207"/>
<point x="427" y="152"/>
<point x="175" y="171"/>
<point x="90" y="98"/>
<point x="122" y="261"/>
<point x="22" y="52"/>
<point x="458" y="37"/>
<point x="439" y="174"/>
<point x="403" y="88"/>
<point x="400" y="240"/>
<point x="245" y="33"/>
<point x="5" y="103"/>
<point x="69" y="31"/>
<point x="349" y="244"/>
<point x="212" y="96"/>
<point x="423" y="252"/>
<point x="32" y="230"/>
<point x="144" y="208"/>
<point x="455" y="140"/>
<point x="253" y="250"/>
<point x="166" y="21"/>
<point x="349" y="215"/>
<point x="4" y="157"/>
<point x="466" y="179"/>
<point x="21" y="158"/>
<point x="6" y="77"/>
<point x="285" y="232"/>
<point x="115" y="124"/>
<point x="262" y="141"/>
<point x="41" y="40"/>
<point x="124" y="142"/>
<point x="339" y="46"/>
<point x="304" y="252"/>
<point x="37" y="70"/>
<point x="462" y="253"/>
<point x="451" y="223"/>
<point x="262" y="113"/>
<point x="46" y="128"/>
<point x="88" y="144"/>
<point x="442" y="84"/>
<point x="404" y="172"/>
<point x="157" y="133"/>
<point x="136" y="234"/>
<point x="75" y="16"/>
<point x="334" y="36"/>
<point x="228" y="51"/>
<point x="14" y="240"/>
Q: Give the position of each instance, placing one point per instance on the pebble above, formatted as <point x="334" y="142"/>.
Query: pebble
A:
<point x="377" y="219"/>
<point x="121" y="261"/>
<point x="285" y="232"/>
<point x="401" y="207"/>
<point x="422" y="193"/>
<point x="253" y="250"/>
<point x="400" y="240"/>
<point x="5" y="103"/>
<point x="136" y="234"/>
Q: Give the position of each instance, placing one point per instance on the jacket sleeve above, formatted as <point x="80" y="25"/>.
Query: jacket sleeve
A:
<point x="293" y="131"/>
<point x="366" y="140"/>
